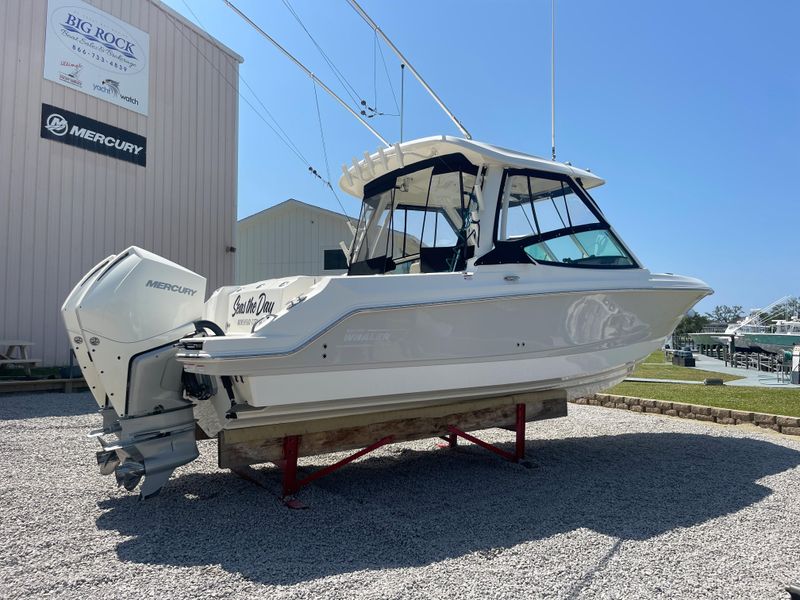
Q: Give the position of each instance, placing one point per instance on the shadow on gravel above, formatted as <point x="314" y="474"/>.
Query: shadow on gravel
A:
<point x="415" y="508"/>
<point x="43" y="404"/>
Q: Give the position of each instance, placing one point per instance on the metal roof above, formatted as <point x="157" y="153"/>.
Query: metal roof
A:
<point x="202" y="33"/>
<point x="290" y="201"/>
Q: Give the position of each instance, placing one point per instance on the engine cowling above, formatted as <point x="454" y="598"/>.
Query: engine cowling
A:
<point x="134" y="303"/>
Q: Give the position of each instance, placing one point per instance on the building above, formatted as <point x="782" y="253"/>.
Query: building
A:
<point x="118" y="127"/>
<point x="291" y="238"/>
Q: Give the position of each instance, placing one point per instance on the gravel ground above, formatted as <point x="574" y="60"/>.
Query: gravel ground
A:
<point x="619" y="505"/>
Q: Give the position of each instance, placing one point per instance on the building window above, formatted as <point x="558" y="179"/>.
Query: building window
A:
<point x="335" y="260"/>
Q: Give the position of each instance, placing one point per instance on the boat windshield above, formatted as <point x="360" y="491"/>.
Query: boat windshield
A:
<point x="417" y="219"/>
<point x="787" y="327"/>
<point x="549" y="218"/>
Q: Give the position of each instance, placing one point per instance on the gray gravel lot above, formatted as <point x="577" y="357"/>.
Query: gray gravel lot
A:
<point x="620" y="505"/>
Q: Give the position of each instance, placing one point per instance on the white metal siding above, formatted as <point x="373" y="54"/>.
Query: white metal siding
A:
<point x="288" y="239"/>
<point x="63" y="209"/>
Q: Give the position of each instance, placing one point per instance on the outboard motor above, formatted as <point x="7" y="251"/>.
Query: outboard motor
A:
<point x="123" y="319"/>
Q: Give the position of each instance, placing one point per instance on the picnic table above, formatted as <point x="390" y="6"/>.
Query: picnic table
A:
<point x="16" y="352"/>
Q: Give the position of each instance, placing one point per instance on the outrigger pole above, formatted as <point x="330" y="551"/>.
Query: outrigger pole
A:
<point x="404" y="60"/>
<point x="306" y="71"/>
<point x="553" y="79"/>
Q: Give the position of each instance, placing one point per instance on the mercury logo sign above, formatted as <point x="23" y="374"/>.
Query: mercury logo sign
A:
<point x="56" y="124"/>
<point x="108" y="140"/>
<point x="73" y="129"/>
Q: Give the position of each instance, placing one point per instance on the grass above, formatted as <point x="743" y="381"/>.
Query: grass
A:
<point x="754" y="399"/>
<point x="655" y="367"/>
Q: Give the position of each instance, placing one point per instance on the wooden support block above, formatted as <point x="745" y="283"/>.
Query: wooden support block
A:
<point x="253" y="445"/>
<point x="43" y="385"/>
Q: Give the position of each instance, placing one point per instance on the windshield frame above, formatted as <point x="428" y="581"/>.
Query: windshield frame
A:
<point x="440" y="165"/>
<point x="513" y="251"/>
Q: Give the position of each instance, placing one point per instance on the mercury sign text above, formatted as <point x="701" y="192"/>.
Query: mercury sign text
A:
<point x="77" y="130"/>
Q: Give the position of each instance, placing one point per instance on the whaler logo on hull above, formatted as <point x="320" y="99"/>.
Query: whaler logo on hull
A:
<point x="366" y="336"/>
<point x="171" y="287"/>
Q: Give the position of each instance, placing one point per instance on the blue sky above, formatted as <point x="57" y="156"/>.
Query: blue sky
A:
<point x="690" y="111"/>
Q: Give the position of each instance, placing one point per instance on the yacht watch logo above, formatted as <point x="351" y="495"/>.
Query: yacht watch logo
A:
<point x="56" y="124"/>
<point x="112" y="85"/>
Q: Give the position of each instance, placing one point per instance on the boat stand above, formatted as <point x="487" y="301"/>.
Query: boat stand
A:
<point x="291" y="484"/>
<point x="519" y="444"/>
<point x="283" y="443"/>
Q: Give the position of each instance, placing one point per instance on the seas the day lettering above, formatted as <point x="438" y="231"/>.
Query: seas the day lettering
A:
<point x="253" y="306"/>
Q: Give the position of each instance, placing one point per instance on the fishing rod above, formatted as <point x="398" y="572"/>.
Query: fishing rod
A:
<point x="404" y="60"/>
<point x="313" y="77"/>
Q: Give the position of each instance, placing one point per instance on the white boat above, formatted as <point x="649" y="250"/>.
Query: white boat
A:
<point x="734" y="332"/>
<point x="714" y="335"/>
<point x="474" y="271"/>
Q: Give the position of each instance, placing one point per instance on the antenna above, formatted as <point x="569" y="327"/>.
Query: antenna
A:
<point x="403" y="59"/>
<point x="306" y="71"/>
<point x="553" y="79"/>
<point x="402" y="96"/>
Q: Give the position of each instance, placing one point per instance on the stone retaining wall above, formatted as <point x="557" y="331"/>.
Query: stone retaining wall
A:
<point x="725" y="416"/>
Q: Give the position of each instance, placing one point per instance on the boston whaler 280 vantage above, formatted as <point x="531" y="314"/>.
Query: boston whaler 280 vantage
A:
<point x="474" y="271"/>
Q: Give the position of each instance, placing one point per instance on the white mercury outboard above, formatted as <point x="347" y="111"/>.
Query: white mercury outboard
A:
<point x="123" y="319"/>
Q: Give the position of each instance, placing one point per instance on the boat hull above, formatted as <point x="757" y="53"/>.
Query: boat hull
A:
<point x="350" y="393"/>
<point x="372" y="359"/>
<point x="773" y="342"/>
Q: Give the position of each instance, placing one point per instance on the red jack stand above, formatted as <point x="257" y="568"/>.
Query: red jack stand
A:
<point x="283" y="443"/>
<point x="519" y="446"/>
<point x="291" y="484"/>
<point x="450" y="441"/>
